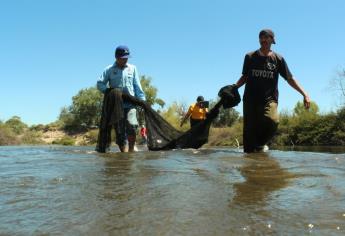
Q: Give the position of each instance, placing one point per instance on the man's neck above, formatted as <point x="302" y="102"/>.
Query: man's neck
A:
<point x="120" y="66"/>
<point x="265" y="51"/>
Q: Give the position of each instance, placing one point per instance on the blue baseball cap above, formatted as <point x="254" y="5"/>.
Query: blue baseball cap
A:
<point x="122" y="52"/>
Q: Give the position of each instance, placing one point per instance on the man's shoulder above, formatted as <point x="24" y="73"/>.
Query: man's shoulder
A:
<point x="108" y="67"/>
<point x="251" y="54"/>
<point x="277" y="55"/>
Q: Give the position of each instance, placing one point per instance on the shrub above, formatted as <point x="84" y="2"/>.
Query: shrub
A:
<point x="90" y="137"/>
<point x="228" y="136"/>
<point x="7" y="136"/>
<point x="17" y="126"/>
<point x="66" y="141"/>
<point x="31" y="137"/>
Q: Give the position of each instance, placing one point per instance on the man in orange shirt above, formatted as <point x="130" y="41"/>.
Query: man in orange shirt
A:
<point x="197" y="112"/>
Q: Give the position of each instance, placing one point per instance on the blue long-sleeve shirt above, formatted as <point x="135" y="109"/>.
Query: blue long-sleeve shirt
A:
<point x="127" y="79"/>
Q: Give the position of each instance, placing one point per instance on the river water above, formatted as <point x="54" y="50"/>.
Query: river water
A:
<point x="51" y="190"/>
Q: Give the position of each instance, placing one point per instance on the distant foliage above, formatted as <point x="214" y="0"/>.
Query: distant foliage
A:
<point x="91" y="137"/>
<point x="85" y="111"/>
<point x="31" y="137"/>
<point x="150" y="92"/>
<point x="66" y="141"/>
<point x="227" y="136"/>
<point x="150" y="96"/>
<point x="173" y="115"/>
<point x="308" y="127"/>
<point x="226" y="117"/>
<point x="7" y="136"/>
<point x="16" y="125"/>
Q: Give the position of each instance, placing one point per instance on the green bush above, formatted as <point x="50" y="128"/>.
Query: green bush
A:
<point x="17" y="126"/>
<point x="227" y="136"/>
<point x="38" y="127"/>
<point x="66" y="141"/>
<point x="90" y="137"/>
<point x="7" y="136"/>
<point x="32" y="137"/>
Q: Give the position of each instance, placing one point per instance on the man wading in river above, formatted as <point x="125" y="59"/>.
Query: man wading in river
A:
<point x="261" y="70"/>
<point x="123" y="76"/>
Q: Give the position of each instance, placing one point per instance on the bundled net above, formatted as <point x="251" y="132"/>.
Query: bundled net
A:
<point x="160" y="134"/>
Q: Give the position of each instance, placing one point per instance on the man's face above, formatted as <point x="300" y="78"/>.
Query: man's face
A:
<point x="266" y="41"/>
<point x="121" y="62"/>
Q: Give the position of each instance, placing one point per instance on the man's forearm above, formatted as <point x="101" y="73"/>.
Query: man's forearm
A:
<point x="241" y="81"/>
<point x="293" y="83"/>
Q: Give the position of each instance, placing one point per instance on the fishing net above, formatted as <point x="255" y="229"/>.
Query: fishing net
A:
<point x="160" y="134"/>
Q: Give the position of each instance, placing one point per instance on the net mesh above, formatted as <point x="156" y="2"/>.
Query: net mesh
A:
<point x="160" y="134"/>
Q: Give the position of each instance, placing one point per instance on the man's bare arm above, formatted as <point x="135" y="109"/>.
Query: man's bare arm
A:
<point x="241" y="81"/>
<point x="293" y="83"/>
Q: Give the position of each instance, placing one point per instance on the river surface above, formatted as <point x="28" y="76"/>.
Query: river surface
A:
<point x="52" y="190"/>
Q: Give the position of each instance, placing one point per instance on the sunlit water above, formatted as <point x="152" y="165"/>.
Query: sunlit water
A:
<point x="74" y="191"/>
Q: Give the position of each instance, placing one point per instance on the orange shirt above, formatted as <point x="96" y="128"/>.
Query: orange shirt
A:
<point x="196" y="112"/>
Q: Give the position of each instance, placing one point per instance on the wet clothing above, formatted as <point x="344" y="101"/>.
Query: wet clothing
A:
<point x="260" y="99"/>
<point x="127" y="126"/>
<point x="126" y="79"/>
<point x="260" y="123"/>
<point x="112" y="114"/>
<point x="194" y="122"/>
<point x="263" y="72"/>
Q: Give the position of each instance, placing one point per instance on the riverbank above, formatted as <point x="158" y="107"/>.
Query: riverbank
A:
<point x="218" y="137"/>
<point x="47" y="136"/>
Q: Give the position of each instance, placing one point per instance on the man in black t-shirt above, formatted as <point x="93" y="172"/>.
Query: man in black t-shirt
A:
<point x="261" y="70"/>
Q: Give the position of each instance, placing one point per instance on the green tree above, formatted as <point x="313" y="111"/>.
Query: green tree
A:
<point x="174" y="113"/>
<point x="7" y="136"/>
<point x="150" y="92"/>
<point x="226" y="117"/>
<point x="150" y="95"/>
<point x="16" y="125"/>
<point x="300" y="110"/>
<point x="68" y="119"/>
<point x="338" y="131"/>
<point x="85" y="110"/>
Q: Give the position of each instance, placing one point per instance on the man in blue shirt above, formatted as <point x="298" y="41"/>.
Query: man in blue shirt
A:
<point x="125" y="77"/>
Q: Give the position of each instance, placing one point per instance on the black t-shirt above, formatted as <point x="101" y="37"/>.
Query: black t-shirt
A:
<point x="263" y="73"/>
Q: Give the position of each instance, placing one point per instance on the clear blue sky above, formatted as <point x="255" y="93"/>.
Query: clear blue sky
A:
<point x="49" y="50"/>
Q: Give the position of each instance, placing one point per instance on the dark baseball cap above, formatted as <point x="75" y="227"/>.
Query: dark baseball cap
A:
<point x="200" y="99"/>
<point x="122" y="52"/>
<point x="267" y="32"/>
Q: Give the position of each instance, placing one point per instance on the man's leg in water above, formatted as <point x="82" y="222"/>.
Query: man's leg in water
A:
<point x="120" y="132"/>
<point x="249" y="127"/>
<point x="268" y="124"/>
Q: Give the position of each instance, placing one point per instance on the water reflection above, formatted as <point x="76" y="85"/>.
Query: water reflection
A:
<point x="75" y="191"/>
<point x="263" y="175"/>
